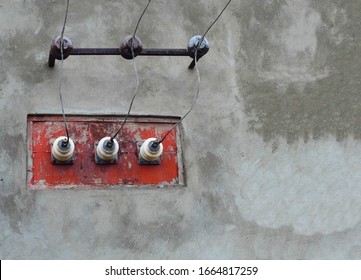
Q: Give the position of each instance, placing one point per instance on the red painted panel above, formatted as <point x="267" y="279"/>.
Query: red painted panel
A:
<point x="84" y="173"/>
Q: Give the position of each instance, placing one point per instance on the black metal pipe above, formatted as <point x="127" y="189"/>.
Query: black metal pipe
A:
<point x="51" y="61"/>
<point x="165" y="52"/>
<point x="116" y="51"/>
<point x="193" y="64"/>
<point x="97" y="51"/>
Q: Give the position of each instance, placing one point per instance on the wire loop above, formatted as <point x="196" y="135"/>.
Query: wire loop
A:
<point x="62" y="73"/>
<point x="198" y="76"/>
<point x="136" y="75"/>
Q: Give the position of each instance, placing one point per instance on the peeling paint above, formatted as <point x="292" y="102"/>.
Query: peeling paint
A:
<point x="84" y="173"/>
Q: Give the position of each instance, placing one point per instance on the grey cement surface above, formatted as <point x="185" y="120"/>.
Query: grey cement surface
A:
<point x="272" y="148"/>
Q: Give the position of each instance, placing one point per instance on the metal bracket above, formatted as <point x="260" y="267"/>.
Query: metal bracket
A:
<point x="58" y="162"/>
<point x="124" y="50"/>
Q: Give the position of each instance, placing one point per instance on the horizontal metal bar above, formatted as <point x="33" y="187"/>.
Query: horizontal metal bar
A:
<point x="166" y="52"/>
<point x="93" y="51"/>
<point x="116" y="51"/>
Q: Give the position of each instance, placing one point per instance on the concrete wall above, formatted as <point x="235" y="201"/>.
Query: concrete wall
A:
<point x="272" y="148"/>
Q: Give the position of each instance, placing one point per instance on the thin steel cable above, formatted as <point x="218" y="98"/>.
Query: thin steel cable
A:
<point x="136" y="75"/>
<point x="140" y="18"/>
<point x="62" y="73"/>
<point x="217" y="18"/>
<point x="134" y="95"/>
<point x="156" y="143"/>
<point x="66" y="16"/>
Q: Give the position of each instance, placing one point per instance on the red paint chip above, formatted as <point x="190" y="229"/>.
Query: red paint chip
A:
<point x="84" y="173"/>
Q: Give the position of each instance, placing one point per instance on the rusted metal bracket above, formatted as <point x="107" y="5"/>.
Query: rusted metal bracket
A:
<point x="125" y="50"/>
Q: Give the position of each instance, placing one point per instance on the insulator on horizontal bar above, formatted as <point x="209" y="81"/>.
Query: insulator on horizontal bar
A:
<point x="126" y="46"/>
<point x="55" y="47"/>
<point x="193" y="44"/>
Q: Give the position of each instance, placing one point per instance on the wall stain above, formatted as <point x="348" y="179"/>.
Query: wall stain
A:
<point x="13" y="144"/>
<point x="18" y="208"/>
<point x="294" y="93"/>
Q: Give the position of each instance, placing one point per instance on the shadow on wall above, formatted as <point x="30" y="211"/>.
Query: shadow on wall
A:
<point x="300" y="70"/>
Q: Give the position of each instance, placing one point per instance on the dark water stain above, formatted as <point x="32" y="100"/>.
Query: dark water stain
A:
<point x="30" y="63"/>
<point x="130" y="233"/>
<point x="18" y="207"/>
<point x="13" y="144"/>
<point x="305" y="109"/>
<point x="195" y="19"/>
<point x="21" y="59"/>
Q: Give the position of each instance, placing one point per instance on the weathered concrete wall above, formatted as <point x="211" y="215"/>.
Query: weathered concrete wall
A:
<point x="271" y="149"/>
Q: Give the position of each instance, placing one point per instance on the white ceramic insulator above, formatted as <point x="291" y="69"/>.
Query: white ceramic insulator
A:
<point x="104" y="154"/>
<point x="147" y="154"/>
<point x="194" y="41"/>
<point x="62" y="155"/>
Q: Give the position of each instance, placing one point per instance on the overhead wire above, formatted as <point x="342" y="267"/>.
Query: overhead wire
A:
<point x="140" y="18"/>
<point x="217" y="18"/>
<point x="136" y="75"/>
<point x="62" y="73"/>
<point x="157" y="142"/>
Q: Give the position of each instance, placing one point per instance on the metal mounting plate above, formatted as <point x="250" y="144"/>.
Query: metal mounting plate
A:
<point x="85" y="173"/>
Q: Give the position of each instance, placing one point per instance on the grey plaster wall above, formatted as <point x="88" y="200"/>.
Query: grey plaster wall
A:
<point x="272" y="148"/>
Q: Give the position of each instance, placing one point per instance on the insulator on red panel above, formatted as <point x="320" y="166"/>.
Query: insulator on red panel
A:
<point x="149" y="152"/>
<point x="106" y="151"/>
<point x="62" y="151"/>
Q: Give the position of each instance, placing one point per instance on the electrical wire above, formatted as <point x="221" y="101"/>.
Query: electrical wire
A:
<point x="61" y="74"/>
<point x="217" y="18"/>
<point x="157" y="142"/>
<point x="131" y="103"/>
<point x="140" y="18"/>
<point x="136" y="75"/>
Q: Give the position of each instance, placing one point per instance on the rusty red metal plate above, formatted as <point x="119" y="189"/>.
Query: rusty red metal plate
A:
<point x="88" y="130"/>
